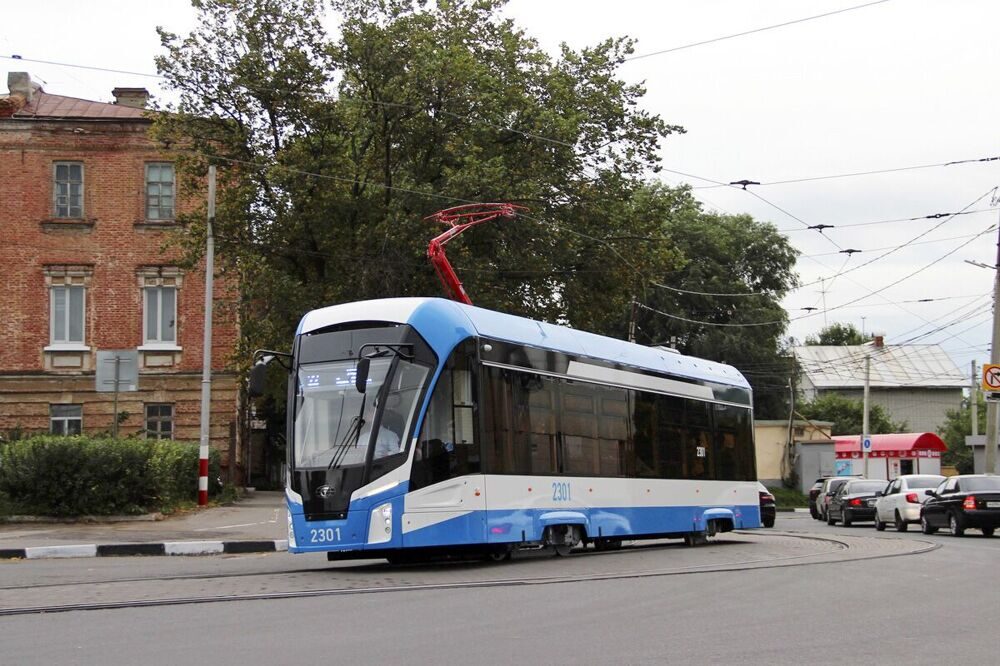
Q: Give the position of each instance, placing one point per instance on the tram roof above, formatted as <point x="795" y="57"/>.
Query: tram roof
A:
<point x="444" y="323"/>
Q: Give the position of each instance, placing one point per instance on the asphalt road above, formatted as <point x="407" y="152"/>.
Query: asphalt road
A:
<point x="803" y="592"/>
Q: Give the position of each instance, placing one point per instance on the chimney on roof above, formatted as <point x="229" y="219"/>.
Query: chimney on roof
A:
<point x="133" y="97"/>
<point x="20" y="83"/>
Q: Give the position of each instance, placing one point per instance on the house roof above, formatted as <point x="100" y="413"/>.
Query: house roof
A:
<point x="917" y="441"/>
<point x="57" y="107"/>
<point x="895" y="366"/>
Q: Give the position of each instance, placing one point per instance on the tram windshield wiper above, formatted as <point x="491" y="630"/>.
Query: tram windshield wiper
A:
<point x="350" y="437"/>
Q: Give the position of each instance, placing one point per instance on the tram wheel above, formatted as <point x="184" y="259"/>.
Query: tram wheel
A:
<point x="695" y="539"/>
<point x="501" y="555"/>
<point x="607" y="544"/>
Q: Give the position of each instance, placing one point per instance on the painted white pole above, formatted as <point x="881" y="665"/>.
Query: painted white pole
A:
<point x="206" y="365"/>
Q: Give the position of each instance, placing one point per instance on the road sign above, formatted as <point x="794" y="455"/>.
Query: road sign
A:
<point x="117" y="371"/>
<point x="866" y="443"/>
<point x="991" y="377"/>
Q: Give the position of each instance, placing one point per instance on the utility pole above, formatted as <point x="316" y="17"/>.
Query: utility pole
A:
<point x="991" y="406"/>
<point x="864" y="418"/>
<point x="974" y="401"/>
<point x="631" y="322"/>
<point x="206" y="363"/>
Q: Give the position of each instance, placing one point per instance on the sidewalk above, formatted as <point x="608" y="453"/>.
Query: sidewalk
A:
<point x="256" y="523"/>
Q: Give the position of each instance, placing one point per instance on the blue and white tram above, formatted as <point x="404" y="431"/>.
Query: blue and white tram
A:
<point x="423" y="425"/>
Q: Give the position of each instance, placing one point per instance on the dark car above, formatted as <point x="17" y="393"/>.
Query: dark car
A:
<point x="961" y="502"/>
<point x="854" y="500"/>
<point x="831" y="485"/>
<point x="767" y="505"/>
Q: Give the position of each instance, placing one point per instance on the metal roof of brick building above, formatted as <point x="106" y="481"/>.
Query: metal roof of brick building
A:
<point x="892" y="366"/>
<point x="56" y="107"/>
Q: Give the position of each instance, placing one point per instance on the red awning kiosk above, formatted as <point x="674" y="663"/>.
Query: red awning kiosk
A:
<point x="890" y="455"/>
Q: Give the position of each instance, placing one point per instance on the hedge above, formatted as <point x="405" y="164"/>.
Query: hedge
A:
<point x="76" y="476"/>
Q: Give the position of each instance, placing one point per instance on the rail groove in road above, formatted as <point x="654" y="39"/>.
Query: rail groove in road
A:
<point x="839" y="549"/>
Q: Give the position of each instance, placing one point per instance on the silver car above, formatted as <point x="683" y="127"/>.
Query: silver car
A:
<point x="900" y="503"/>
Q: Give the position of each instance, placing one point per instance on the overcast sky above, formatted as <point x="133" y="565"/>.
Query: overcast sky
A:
<point x="894" y="85"/>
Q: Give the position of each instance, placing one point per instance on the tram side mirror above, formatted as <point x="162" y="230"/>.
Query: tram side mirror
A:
<point x="361" y="377"/>
<point x="258" y="377"/>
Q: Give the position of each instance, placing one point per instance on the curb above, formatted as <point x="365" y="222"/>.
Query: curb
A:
<point x="130" y="549"/>
<point x="81" y="520"/>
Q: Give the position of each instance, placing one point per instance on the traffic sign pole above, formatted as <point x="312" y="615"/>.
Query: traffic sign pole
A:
<point x="991" y="407"/>
<point x="864" y="425"/>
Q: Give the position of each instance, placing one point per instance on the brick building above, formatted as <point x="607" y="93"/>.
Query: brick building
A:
<point x="87" y="203"/>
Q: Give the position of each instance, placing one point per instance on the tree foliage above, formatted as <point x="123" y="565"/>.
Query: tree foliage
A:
<point x="838" y="334"/>
<point x="333" y="150"/>
<point x="847" y="415"/>
<point x="325" y="194"/>
<point x="957" y="426"/>
<point x="723" y="299"/>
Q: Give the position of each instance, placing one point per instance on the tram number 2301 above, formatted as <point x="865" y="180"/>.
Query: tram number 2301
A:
<point x="327" y="535"/>
<point x="560" y="492"/>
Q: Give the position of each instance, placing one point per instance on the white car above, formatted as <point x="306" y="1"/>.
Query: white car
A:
<point x="900" y="502"/>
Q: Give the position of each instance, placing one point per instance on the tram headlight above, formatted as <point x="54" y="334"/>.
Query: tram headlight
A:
<point x="380" y="525"/>
<point x="291" y="530"/>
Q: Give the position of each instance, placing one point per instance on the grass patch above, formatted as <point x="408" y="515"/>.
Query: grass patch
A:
<point x="789" y="498"/>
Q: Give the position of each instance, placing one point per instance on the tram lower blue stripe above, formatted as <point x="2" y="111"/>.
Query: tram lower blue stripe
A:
<point x="513" y="526"/>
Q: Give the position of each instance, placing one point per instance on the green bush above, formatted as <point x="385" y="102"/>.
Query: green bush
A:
<point x="74" y="476"/>
<point x="174" y="468"/>
<point x="789" y="498"/>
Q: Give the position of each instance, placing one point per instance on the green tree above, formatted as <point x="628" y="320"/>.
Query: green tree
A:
<point x="847" y="415"/>
<point x="332" y="151"/>
<point x="957" y="426"/>
<point x="723" y="300"/>
<point x="324" y="194"/>
<point x="838" y="334"/>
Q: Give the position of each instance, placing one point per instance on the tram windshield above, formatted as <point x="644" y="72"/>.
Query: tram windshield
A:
<point x="335" y="423"/>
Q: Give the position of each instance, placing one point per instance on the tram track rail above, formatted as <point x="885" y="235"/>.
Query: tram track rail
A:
<point x="839" y="547"/>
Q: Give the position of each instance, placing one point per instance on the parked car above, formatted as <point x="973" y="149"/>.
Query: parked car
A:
<point x="813" y="494"/>
<point x="900" y="503"/>
<point x="853" y="501"/>
<point x="767" y="505"/>
<point x="961" y="502"/>
<point x="831" y="484"/>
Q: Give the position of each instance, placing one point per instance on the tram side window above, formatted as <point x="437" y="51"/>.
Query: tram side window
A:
<point x="535" y="421"/>
<point x="644" y="442"/>
<point x="579" y="429"/>
<point x="496" y="413"/>
<point x="615" y="440"/>
<point x="670" y="437"/>
<point x="447" y="445"/>
<point x="699" y="458"/>
<point x="733" y="444"/>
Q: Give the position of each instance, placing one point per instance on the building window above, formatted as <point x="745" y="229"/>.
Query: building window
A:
<point x="67" y="314"/>
<point x="160" y="191"/>
<point x="159" y="421"/>
<point x="160" y="320"/>
<point x="67" y="189"/>
<point x="65" y="419"/>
